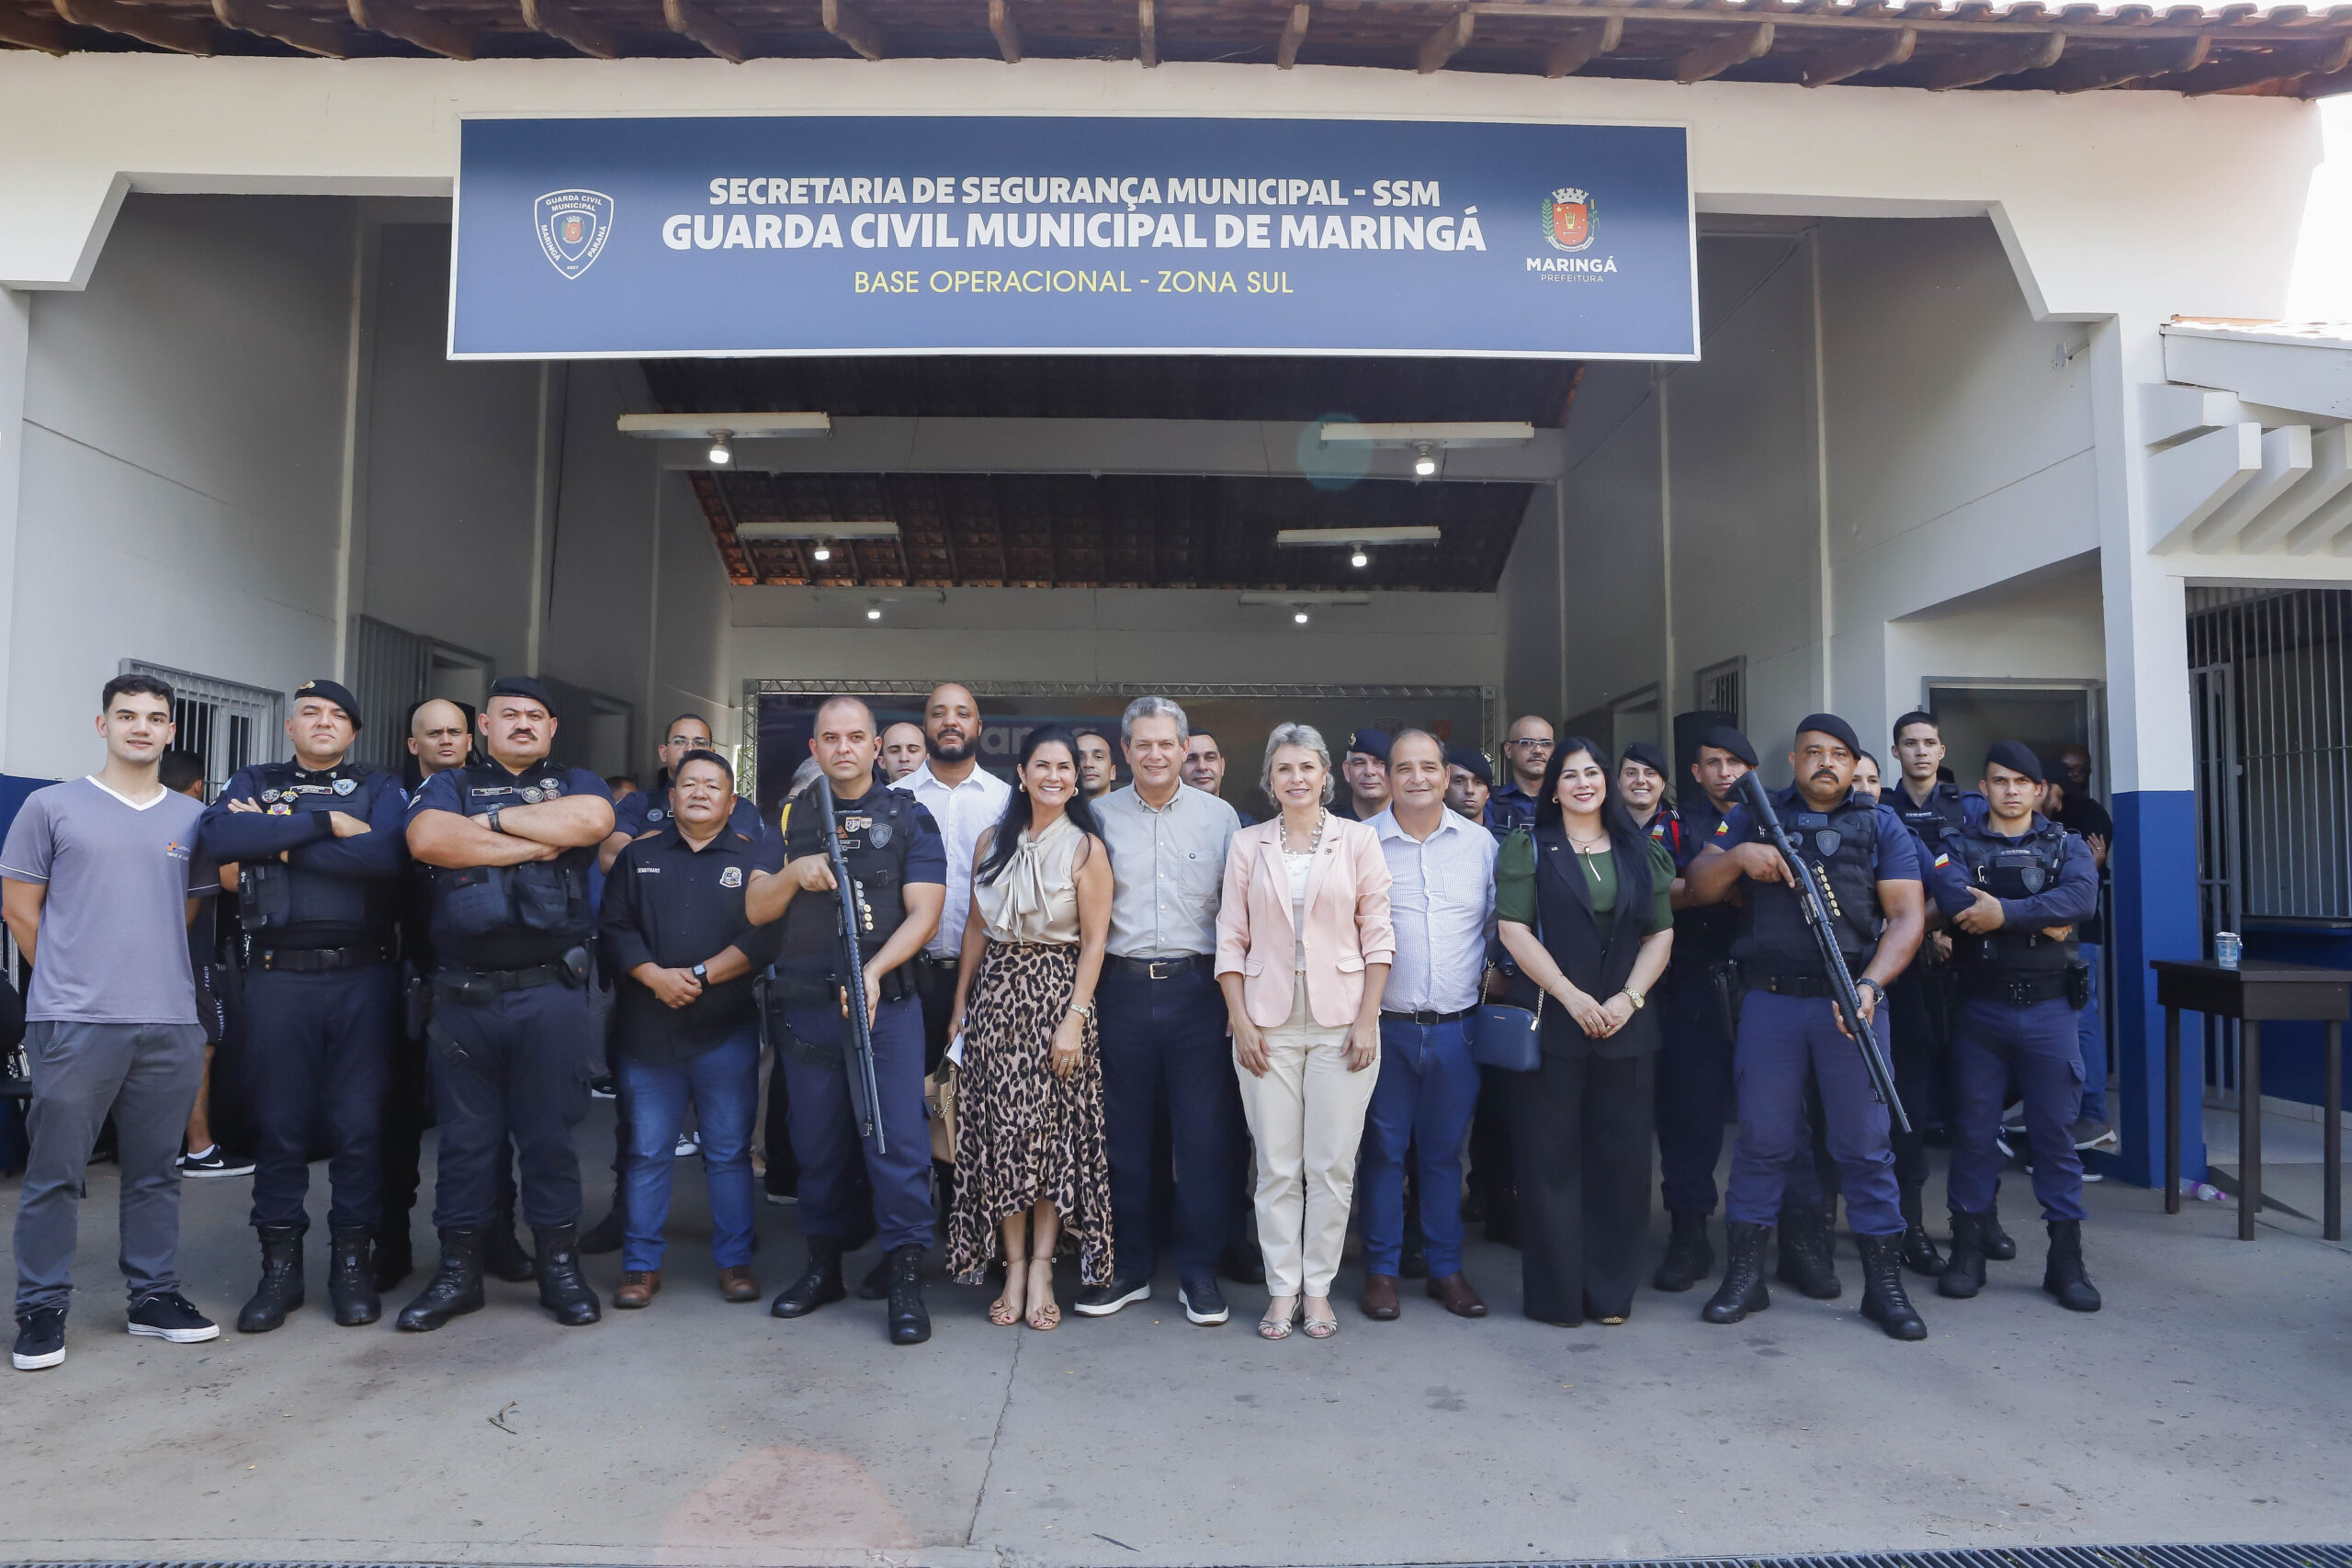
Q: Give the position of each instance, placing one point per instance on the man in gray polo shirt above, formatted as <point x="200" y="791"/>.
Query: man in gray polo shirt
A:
<point x="96" y="882"/>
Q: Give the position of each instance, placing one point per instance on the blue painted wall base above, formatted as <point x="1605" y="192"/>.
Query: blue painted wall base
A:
<point x="2154" y="867"/>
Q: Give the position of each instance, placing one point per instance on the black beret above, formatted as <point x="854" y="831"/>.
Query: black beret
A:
<point x="2018" y="757"/>
<point x="334" y="691"/>
<point x="1647" y="755"/>
<point x="522" y="686"/>
<point x="1371" y="743"/>
<point x="1836" y="728"/>
<point x="1472" y="761"/>
<point x="1724" y="738"/>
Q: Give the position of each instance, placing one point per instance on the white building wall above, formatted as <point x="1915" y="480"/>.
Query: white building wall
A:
<point x="181" y="486"/>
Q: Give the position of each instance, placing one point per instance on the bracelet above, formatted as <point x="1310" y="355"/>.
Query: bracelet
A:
<point x="1873" y="985"/>
<point x="1083" y="1009"/>
<point x="1634" y="997"/>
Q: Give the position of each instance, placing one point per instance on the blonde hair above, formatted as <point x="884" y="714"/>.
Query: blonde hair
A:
<point x="1307" y="738"/>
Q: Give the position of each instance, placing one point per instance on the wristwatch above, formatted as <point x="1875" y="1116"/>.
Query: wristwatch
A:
<point x="493" y="818"/>
<point x="701" y="972"/>
<point x="1873" y="985"/>
<point x="1634" y="997"/>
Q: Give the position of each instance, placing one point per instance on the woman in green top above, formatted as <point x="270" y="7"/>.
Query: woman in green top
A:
<point x="1582" y="906"/>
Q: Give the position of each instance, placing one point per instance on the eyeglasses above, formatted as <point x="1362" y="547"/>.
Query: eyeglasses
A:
<point x="1530" y="744"/>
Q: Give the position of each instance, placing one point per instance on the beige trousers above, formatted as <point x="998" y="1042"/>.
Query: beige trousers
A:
<point x="1307" y="1117"/>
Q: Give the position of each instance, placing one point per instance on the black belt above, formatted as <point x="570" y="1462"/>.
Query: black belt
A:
<point x="948" y="964"/>
<point x="2022" y="992"/>
<point x="1788" y="984"/>
<point x="319" y="960"/>
<point x="497" y="981"/>
<point x="1425" y="1018"/>
<point x="1161" y="969"/>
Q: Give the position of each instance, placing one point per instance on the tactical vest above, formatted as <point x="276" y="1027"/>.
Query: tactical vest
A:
<point x="876" y="830"/>
<point x="2021" y="870"/>
<point x="548" y="897"/>
<point x="1704" y="932"/>
<point x="1945" y="812"/>
<point x="1843" y="844"/>
<point x="273" y="895"/>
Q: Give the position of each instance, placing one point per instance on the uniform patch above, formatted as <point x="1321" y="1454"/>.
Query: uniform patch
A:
<point x="344" y="787"/>
<point x="1942" y="861"/>
<point x="281" y="808"/>
<point x="1722" y="830"/>
<point x="1827" y="840"/>
<point x="551" y="788"/>
<point x="883" y="833"/>
<point x="731" y="877"/>
<point x="531" y="794"/>
<point x="269" y="795"/>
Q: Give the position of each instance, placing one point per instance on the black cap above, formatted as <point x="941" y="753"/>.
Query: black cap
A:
<point x="2018" y="758"/>
<point x="1724" y="738"/>
<point x="1371" y="743"/>
<point x="1648" y="756"/>
<point x="334" y="691"/>
<point x="1471" y="761"/>
<point x="1836" y="728"/>
<point x="522" y="686"/>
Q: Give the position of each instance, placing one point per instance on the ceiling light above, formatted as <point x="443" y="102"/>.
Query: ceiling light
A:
<point x="1424" y="460"/>
<point x="750" y="425"/>
<point x="720" y="452"/>
<point x="1359" y="556"/>
<point x="873" y="612"/>
<point x="1299" y="616"/>
<point x="827" y="531"/>
<point x="1432" y="432"/>
<point x="1360" y="538"/>
<point x="823" y="552"/>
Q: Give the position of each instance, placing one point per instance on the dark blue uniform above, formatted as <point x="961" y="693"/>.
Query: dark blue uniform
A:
<point x="1694" y="1083"/>
<point x="888" y="841"/>
<point x="1918" y="1002"/>
<point x="1510" y="809"/>
<point x="643" y="811"/>
<point x="512" y="1050"/>
<point x="1787" y="1024"/>
<point x="321" y="949"/>
<point x="2017" y="1015"/>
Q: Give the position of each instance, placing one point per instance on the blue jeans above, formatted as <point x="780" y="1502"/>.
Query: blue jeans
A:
<point x="724" y="1085"/>
<point x="2091" y="1036"/>
<point x="1427" y="1088"/>
<point x="2037" y="1045"/>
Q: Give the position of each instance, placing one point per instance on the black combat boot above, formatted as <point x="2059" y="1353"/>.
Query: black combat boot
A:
<point x="819" y="1283"/>
<point x="1999" y="1245"/>
<point x="561" y="1290"/>
<point x="2064" y="1276"/>
<point x="502" y="1256"/>
<point x="1689" y="1258"/>
<point x="607" y="1235"/>
<point x="1963" y="1273"/>
<point x="1919" y="1253"/>
<point x="1743" y="1290"/>
<point x="1883" y="1301"/>
<point x="455" y="1288"/>
<point x="394" y="1259"/>
<point x="351" y="1277"/>
<point x="1805" y="1255"/>
<point x="876" y="1286"/>
<point x="910" y="1320"/>
<point x="280" y="1290"/>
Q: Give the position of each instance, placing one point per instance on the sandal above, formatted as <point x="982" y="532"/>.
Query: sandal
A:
<point x="1321" y="1327"/>
<point x="1048" y="1317"/>
<point x="1002" y="1313"/>
<point x="1279" y="1328"/>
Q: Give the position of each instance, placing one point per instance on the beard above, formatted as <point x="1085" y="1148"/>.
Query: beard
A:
<point x="951" y="754"/>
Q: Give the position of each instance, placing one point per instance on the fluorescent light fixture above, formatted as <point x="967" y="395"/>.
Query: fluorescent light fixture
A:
<point x="763" y="533"/>
<point x="1292" y="599"/>
<point x="1419" y="533"/>
<point x="702" y="426"/>
<point x="722" y="452"/>
<point x="1466" y="432"/>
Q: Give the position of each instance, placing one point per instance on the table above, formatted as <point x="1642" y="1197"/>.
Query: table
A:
<point x="2255" y="992"/>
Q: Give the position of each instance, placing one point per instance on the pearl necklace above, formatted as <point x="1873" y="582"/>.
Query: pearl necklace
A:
<point x="1313" y="843"/>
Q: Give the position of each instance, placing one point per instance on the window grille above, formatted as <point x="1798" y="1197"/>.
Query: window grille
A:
<point x="1722" y="688"/>
<point x="226" y="723"/>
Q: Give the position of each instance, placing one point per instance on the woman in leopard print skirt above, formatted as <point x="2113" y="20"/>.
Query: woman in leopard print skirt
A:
<point x="1029" y="1153"/>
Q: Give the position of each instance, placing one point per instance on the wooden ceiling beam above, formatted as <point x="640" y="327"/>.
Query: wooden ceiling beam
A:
<point x="326" y="39"/>
<point x="2007" y="58"/>
<point x="1294" y="34"/>
<point x="856" y="28"/>
<point x="397" y="18"/>
<point x="2089" y="70"/>
<point x="1735" y="48"/>
<point x="1005" y="28"/>
<point x="179" y="34"/>
<point x="1449" y="40"/>
<point x="1571" y="11"/>
<point x="715" y="34"/>
<point x="2273" y="66"/>
<point x="1146" y="34"/>
<point x="1585" y="42"/>
<point x="1871" y="53"/>
<point x="30" y="30"/>
<point x="2325" y="86"/>
<point x="559" y="20"/>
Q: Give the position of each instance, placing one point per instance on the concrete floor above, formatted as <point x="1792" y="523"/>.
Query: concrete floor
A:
<point x="2206" y="1404"/>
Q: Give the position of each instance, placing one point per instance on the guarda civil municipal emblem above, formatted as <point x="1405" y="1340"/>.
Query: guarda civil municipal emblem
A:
<point x="573" y="226"/>
<point x="1567" y="220"/>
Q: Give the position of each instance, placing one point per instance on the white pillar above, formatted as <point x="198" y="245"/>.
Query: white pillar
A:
<point x="16" y="352"/>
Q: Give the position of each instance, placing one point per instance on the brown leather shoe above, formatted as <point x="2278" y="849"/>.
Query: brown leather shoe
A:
<point x="737" y="1285"/>
<point x="638" y="1288"/>
<point x="1380" y="1297"/>
<point x="1453" y="1292"/>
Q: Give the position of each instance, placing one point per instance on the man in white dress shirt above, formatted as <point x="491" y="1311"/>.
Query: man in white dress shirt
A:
<point x="965" y="799"/>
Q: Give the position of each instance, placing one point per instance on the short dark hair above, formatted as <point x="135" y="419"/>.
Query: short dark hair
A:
<point x="147" y="685"/>
<point x="1210" y="735"/>
<point x="179" y="769"/>
<point x="1917" y="715"/>
<point x="619" y="783"/>
<point x="701" y="754"/>
<point x="680" y="719"/>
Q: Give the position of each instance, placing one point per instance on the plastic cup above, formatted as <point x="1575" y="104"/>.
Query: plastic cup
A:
<point x="2227" y="949"/>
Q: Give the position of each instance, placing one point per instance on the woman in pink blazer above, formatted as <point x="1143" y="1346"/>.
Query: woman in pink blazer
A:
<point x="1303" y="947"/>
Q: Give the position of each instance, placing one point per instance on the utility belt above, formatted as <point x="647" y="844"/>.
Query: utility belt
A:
<point x="2073" y="983"/>
<point x="778" y="991"/>
<point x="319" y="960"/>
<point x="477" y="988"/>
<point x="1807" y="985"/>
<point x="1425" y="1018"/>
<point x="1178" y="968"/>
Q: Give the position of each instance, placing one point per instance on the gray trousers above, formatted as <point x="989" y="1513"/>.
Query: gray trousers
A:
<point x="145" y="1075"/>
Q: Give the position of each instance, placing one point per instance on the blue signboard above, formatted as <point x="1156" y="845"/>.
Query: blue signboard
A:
<point x="853" y="235"/>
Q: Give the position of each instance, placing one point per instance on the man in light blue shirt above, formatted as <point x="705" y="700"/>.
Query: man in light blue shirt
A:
<point x="1442" y="901"/>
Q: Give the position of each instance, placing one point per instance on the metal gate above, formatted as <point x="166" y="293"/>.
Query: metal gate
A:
<point x="227" y="724"/>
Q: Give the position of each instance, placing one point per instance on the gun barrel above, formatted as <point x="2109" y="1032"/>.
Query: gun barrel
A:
<point x="864" y="1093"/>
